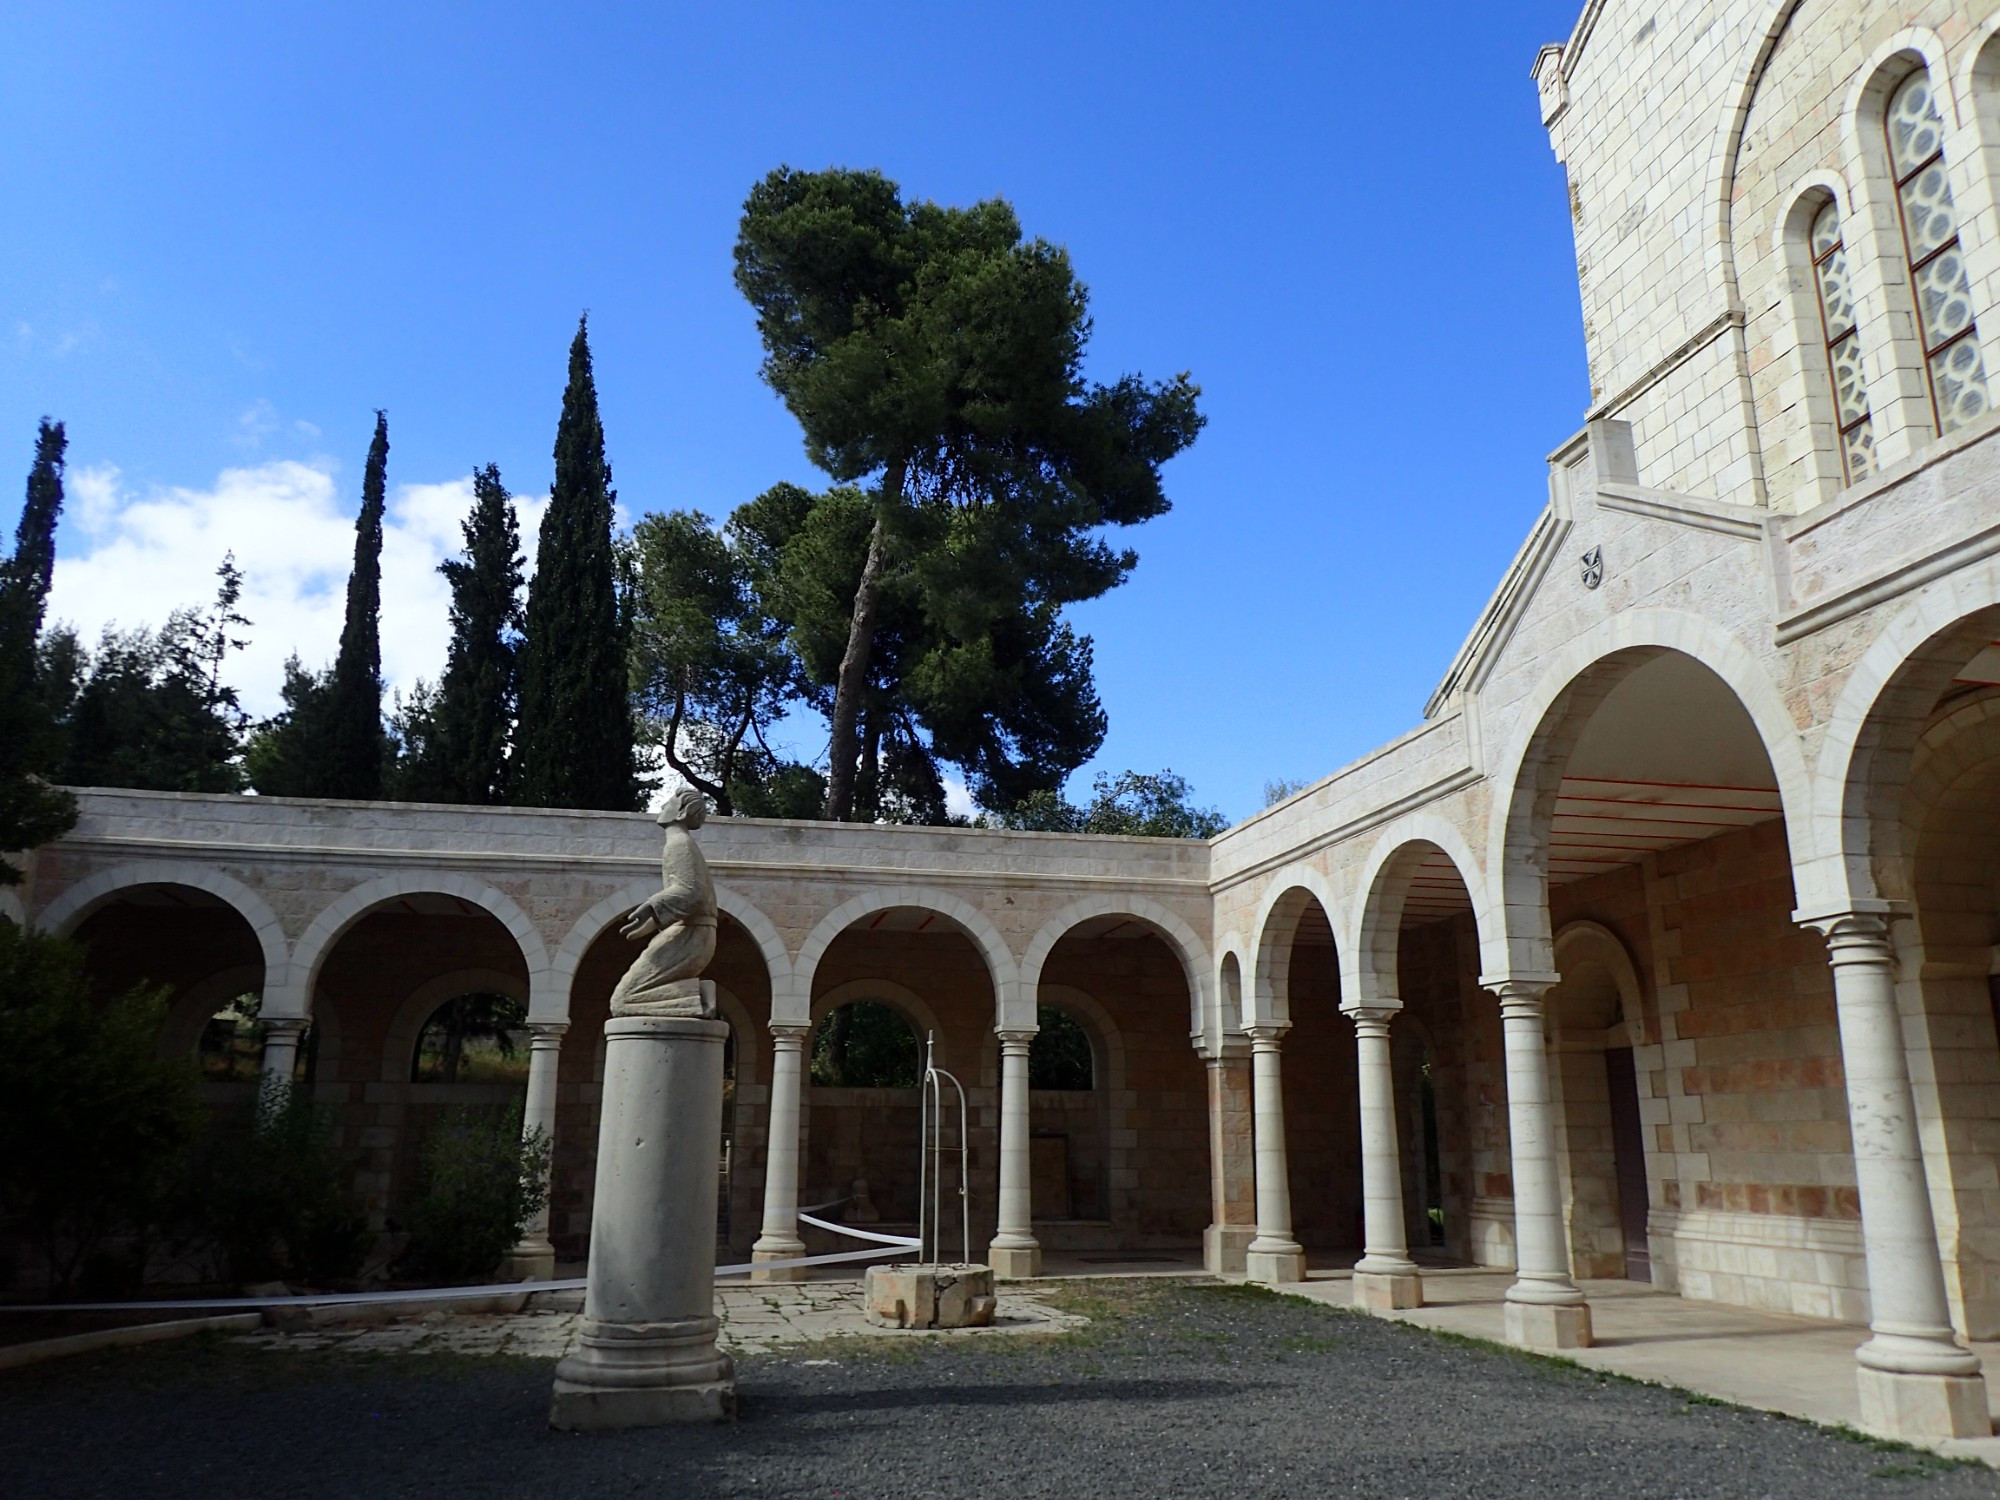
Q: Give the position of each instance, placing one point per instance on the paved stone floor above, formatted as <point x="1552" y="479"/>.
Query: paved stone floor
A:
<point x="755" y="1320"/>
<point x="1799" y="1366"/>
<point x="1169" y="1389"/>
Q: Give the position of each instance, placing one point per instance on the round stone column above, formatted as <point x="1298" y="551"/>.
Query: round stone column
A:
<point x="534" y="1258"/>
<point x="282" y="1035"/>
<point x="1015" y="1252"/>
<point x="780" y="1240"/>
<point x="1385" y="1277"/>
<point x="1545" y="1308"/>
<point x="646" y="1354"/>
<point x="1273" y="1256"/>
<point x="1915" y="1379"/>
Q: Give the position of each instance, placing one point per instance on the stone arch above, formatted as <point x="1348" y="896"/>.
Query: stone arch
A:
<point x="1871" y="737"/>
<point x="1594" y="942"/>
<point x="898" y="997"/>
<point x="1603" y="1164"/>
<point x="399" y="1044"/>
<point x="1225" y="994"/>
<point x="295" y="998"/>
<point x="793" y="1002"/>
<point x="1268" y="1002"/>
<point x="552" y="1002"/>
<point x="180" y="1033"/>
<point x="1102" y="1029"/>
<point x="67" y="911"/>
<point x="1725" y="151"/>
<point x="1371" y="958"/>
<point x="1518" y="941"/>
<point x="1167" y="924"/>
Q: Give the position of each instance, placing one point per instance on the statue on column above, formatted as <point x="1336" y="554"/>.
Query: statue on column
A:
<point x="679" y="921"/>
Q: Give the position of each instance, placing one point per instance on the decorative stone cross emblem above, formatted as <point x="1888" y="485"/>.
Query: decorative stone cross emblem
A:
<point x="1593" y="567"/>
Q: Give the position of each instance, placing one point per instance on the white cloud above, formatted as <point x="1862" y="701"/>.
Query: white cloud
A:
<point x="259" y="421"/>
<point x="130" y="559"/>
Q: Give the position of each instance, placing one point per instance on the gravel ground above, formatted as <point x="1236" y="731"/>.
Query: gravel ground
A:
<point x="1172" y="1390"/>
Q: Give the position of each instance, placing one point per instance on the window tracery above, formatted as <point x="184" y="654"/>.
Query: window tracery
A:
<point x="1843" y="345"/>
<point x="1937" y="263"/>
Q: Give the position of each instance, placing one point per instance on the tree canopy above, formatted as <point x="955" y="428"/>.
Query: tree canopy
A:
<point x="933" y="356"/>
<point x="32" y="810"/>
<point x="462" y="732"/>
<point x="574" y="739"/>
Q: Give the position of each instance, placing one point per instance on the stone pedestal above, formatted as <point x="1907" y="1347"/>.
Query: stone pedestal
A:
<point x="1924" y="1406"/>
<point x="1536" y="1325"/>
<point x="1271" y="1267"/>
<point x="1014" y="1262"/>
<point x="646" y="1353"/>
<point x="1223" y="1247"/>
<point x="930" y="1296"/>
<point x="1378" y="1291"/>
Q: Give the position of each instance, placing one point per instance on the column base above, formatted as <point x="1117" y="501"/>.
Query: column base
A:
<point x="643" y="1375"/>
<point x="578" y="1408"/>
<point x="1223" y="1247"/>
<point x="1388" y="1291"/>
<point x="528" y="1261"/>
<point x="1014" y="1262"/>
<point x="1274" y="1267"/>
<point x="1539" y="1325"/>
<point x="760" y="1254"/>
<point x="1923" y="1406"/>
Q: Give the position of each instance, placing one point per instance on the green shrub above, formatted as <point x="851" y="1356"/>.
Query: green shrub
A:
<point x="267" y="1193"/>
<point x="93" y="1122"/>
<point x="482" y="1181"/>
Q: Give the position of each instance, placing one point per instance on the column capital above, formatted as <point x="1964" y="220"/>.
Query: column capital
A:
<point x="1013" y="1040"/>
<point x="1265" y="1035"/>
<point x="789" y="1033"/>
<point x="1860" y="925"/>
<point x="285" y="1026"/>
<point x="1371" y="1019"/>
<point x="1234" y="1046"/>
<point x="1520" y="994"/>
<point x="546" y="1033"/>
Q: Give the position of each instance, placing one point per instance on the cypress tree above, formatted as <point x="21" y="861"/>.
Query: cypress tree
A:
<point x="355" y="745"/>
<point x="464" y="755"/>
<point x="574" y="741"/>
<point x="31" y="810"/>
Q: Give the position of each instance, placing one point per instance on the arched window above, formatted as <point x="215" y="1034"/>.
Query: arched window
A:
<point x="473" y="1039"/>
<point x="231" y="1048"/>
<point x="1843" y="345"/>
<point x="866" y="1045"/>
<point x="1060" y="1055"/>
<point x="1937" y="264"/>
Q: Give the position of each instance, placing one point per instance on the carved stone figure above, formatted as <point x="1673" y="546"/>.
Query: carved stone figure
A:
<point x="679" y="921"/>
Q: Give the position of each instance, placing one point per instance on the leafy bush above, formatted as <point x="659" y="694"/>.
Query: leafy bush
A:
<point x="267" y="1192"/>
<point x="482" y="1182"/>
<point x="93" y="1123"/>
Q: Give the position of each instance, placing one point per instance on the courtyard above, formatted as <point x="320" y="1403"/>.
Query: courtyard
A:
<point x="1152" y="1386"/>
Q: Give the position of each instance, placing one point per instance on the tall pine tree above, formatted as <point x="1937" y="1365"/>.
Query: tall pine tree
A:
<point x="574" y="741"/>
<point x="355" y="745"/>
<point x="463" y="757"/>
<point x="31" y="810"/>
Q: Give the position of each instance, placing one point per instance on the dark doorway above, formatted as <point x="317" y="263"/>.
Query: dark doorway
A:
<point x="1628" y="1146"/>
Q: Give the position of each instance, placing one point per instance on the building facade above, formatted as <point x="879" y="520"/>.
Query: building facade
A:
<point x="1664" y="947"/>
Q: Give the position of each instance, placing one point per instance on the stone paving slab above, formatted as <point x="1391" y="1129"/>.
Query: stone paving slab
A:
<point x="755" y="1319"/>
<point x="1801" y="1367"/>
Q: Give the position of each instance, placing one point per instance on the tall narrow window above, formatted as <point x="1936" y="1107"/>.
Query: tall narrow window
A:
<point x="1937" y="265"/>
<point x="1843" y="345"/>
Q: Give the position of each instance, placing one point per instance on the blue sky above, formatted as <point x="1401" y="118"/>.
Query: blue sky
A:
<point x="235" y="231"/>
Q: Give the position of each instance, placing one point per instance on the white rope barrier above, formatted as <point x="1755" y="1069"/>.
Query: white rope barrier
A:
<point x="894" y="1243"/>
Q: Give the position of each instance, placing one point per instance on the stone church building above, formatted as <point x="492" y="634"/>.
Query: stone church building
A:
<point x="1663" y="947"/>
